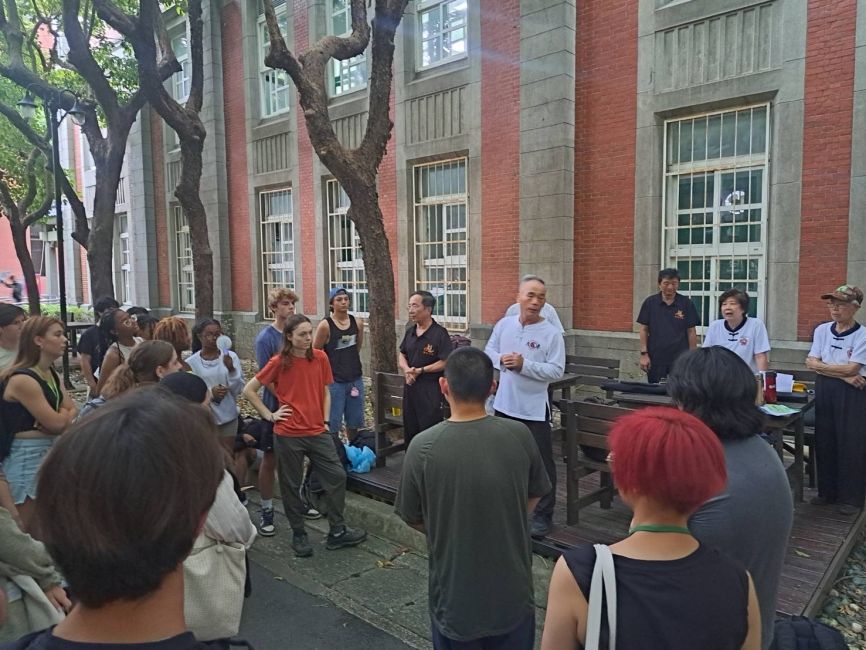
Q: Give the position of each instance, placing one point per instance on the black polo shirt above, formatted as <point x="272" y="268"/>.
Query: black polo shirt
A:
<point x="433" y="345"/>
<point x="668" y="326"/>
<point x="91" y="342"/>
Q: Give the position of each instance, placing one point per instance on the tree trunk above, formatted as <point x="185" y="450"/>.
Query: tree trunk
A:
<point x="22" y="252"/>
<point x="187" y="193"/>
<point x="100" y="245"/>
<point x="365" y="212"/>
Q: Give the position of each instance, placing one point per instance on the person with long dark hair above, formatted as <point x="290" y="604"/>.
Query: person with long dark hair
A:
<point x="119" y="329"/>
<point x="34" y="407"/>
<point x="299" y="377"/>
<point x="92" y="346"/>
<point x="751" y="518"/>
<point x="673" y="591"/>
<point x="221" y="371"/>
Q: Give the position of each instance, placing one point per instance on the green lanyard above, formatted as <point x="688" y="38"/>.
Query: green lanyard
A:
<point x="52" y="386"/>
<point x="658" y="528"/>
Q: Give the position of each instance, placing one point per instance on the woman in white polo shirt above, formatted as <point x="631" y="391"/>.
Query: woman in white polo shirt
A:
<point x="744" y="336"/>
<point x="838" y="355"/>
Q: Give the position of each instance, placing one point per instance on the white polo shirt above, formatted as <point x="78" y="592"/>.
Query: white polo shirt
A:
<point x="839" y="349"/>
<point x="749" y="339"/>
<point x="523" y="394"/>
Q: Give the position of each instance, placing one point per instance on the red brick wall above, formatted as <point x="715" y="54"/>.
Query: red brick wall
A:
<point x="500" y="156"/>
<point x="159" y="210"/>
<point x="234" y="110"/>
<point x="306" y="227"/>
<point x="604" y="166"/>
<point x="829" y="94"/>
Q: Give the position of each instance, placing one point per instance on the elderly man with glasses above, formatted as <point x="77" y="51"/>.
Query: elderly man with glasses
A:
<point x="838" y="355"/>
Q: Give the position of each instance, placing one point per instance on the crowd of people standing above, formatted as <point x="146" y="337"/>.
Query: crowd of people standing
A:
<point x="700" y="542"/>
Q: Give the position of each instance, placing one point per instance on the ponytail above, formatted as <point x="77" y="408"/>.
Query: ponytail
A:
<point x="120" y="381"/>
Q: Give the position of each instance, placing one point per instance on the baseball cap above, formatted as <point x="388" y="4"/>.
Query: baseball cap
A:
<point x="845" y="293"/>
<point x="334" y="292"/>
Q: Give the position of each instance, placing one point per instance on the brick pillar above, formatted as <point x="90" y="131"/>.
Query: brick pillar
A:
<point x="829" y="96"/>
<point x="604" y="164"/>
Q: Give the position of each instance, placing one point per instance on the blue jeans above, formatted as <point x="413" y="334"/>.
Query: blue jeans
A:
<point x="343" y="404"/>
<point x="22" y="465"/>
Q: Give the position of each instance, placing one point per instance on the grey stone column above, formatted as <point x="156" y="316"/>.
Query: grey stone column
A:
<point x="214" y="186"/>
<point x="142" y="224"/>
<point x="547" y="87"/>
<point x="857" y="209"/>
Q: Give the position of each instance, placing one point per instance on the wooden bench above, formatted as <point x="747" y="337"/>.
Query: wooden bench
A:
<point x="580" y="371"/>
<point x="807" y="377"/>
<point x="388" y="413"/>
<point x="587" y="426"/>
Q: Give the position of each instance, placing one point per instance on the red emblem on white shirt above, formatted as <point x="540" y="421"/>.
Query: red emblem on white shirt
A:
<point x="744" y="341"/>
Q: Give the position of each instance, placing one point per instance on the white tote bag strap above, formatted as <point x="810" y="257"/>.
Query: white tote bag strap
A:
<point x="602" y="574"/>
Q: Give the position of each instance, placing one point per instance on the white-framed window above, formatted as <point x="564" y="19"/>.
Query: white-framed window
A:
<point x="182" y="79"/>
<point x="441" y="31"/>
<point x="441" y="237"/>
<point x="351" y="74"/>
<point x="345" y="263"/>
<point x="715" y="198"/>
<point x="122" y="260"/>
<point x="273" y="84"/>
<point x="185" y="277"/>
<point x="278" y="243"/>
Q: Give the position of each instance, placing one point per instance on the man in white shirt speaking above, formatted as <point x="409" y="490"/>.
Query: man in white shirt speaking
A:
<point x="529" y="352"/>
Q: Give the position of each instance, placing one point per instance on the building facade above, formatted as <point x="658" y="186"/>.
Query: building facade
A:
<point x="591" y="143"/>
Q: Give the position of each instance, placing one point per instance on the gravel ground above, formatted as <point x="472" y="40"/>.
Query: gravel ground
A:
<point x="844" y="609"/>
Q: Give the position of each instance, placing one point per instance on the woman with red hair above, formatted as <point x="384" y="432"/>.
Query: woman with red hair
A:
<point x="672" y="592"/>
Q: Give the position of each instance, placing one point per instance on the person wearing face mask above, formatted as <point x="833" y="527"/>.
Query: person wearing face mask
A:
<point x="743" y="335"/>
<point x="838" y="355"/>
<point x="667" y="322"/>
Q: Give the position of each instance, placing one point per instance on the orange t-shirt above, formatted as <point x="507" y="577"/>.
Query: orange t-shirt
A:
<point x="302" y="388"/>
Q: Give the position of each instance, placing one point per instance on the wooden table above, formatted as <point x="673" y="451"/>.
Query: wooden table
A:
<point x="774" y="426"/>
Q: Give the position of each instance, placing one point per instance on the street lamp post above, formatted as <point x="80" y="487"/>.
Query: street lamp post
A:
<point x="28" y="109"/>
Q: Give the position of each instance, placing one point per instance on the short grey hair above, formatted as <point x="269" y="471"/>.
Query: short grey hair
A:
<point x="530" y="277"/>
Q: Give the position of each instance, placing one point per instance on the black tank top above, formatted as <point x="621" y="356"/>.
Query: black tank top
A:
<point x="699" y="601"/>
<point x="342" y="351"/>
<point x="15" y="417"/>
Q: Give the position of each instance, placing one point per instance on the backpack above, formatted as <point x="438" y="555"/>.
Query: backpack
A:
<point x="801" y="633"/>
<point x="460" y="341"/>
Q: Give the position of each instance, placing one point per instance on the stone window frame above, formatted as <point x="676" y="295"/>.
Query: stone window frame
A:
<point x="182" y="258"/>
<point x="728" y="250"/>
<point x="425" y="7"/>
<point x="277" y="259"/>
<point x="271" y="82"/>
<point x="123" y="258"/>
<point x="339" y="70"/>
<point x="433" y="207"/>
<point x="345" y="259"/>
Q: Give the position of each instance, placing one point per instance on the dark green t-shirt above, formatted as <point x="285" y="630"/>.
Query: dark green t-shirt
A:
<point x="468" y="483"/>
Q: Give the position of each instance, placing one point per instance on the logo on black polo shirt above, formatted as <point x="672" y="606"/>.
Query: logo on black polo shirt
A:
<point x="533" y="345"/>
<point x="428" y="350"/>
<point x="679" y="314"/>
<point x="744" y="341"/>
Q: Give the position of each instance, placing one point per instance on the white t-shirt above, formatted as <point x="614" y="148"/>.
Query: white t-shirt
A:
<point x="838" y="350"/>
<point x="749" y="339"/>
<point x="524" y="394"/>
<point x="7" y="357"/>
<point x="548" y="312"/>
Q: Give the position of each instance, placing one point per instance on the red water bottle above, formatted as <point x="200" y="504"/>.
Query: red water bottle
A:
<point x="770" y="387"/>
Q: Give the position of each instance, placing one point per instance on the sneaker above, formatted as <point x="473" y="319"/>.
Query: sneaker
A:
<point x="540" y="527"/>
<point x="301" y="544"/>
<point x="847" y="509"/>
<point x="266" y="528"/>
<point x="245" y="500"/>
<point x="346" y="537"/>
<point x="311" y="513"/>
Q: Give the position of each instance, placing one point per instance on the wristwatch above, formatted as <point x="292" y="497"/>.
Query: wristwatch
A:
<point x="421" y="370"/>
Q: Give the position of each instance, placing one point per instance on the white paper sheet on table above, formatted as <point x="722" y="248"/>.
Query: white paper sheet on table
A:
<point x="784" y="383"/>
